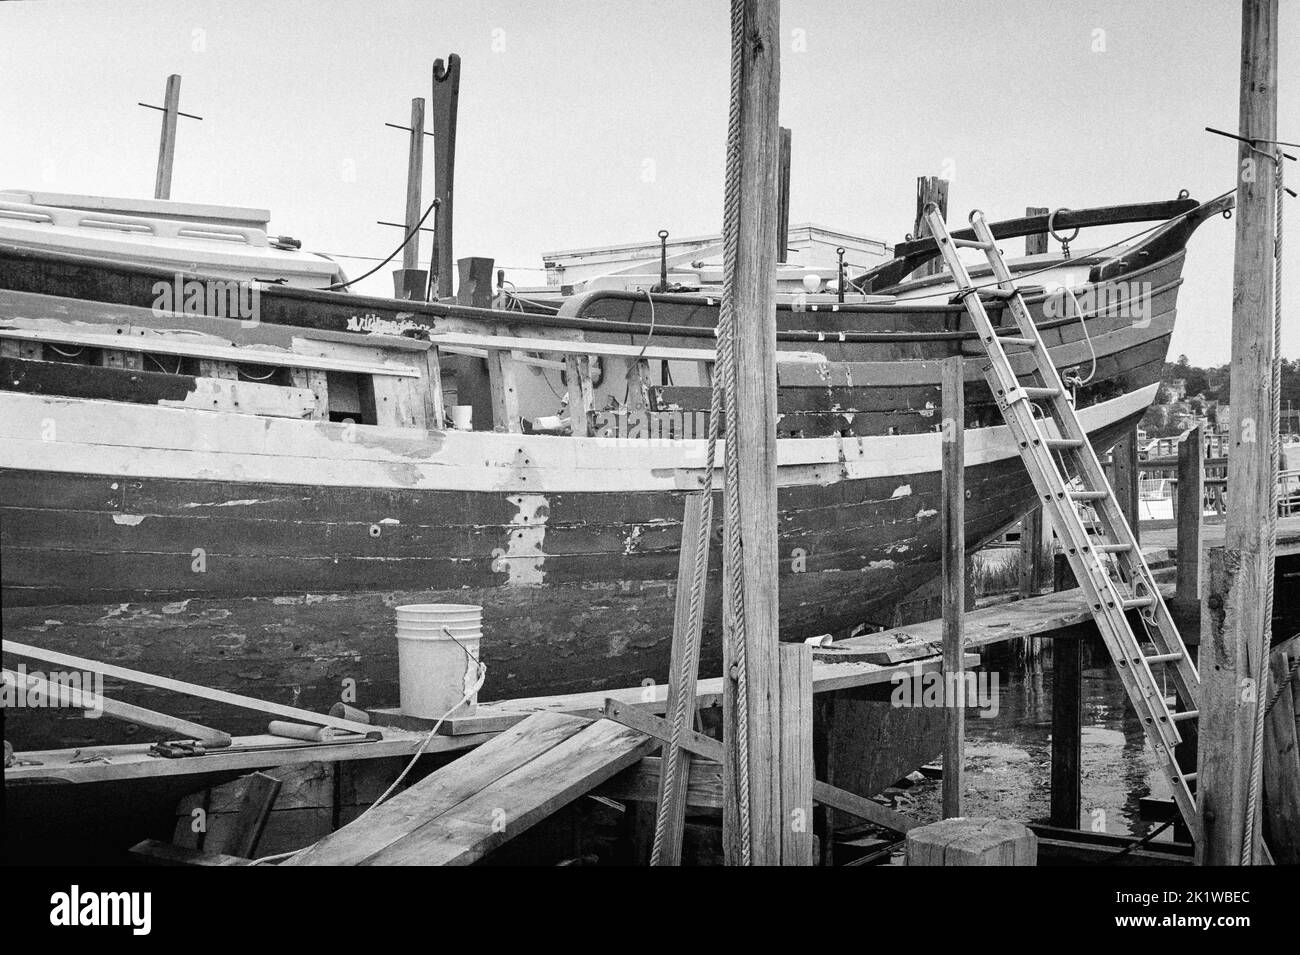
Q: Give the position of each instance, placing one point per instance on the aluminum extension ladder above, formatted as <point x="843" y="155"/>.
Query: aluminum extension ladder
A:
<point x="1066" y="473"/>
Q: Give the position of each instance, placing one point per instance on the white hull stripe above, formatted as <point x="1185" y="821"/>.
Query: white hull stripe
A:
<point x="69" y="435"/>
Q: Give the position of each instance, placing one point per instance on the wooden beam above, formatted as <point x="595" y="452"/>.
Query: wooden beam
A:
<point x="1124" y="478"/>
<point x="683" y="677"/>
<point x="796" y="699"/>
<point x="504" y="391"/>
<point x="162" y="188"/>
<point x="257" y="795"/>
<point x="582" y="395"/>
<point x="1190" y="497"/>
<point x="861" y="807"/>
<point x="751" y="438"/>
<point x="953" y="517"/>
<point x="444" y="105"/>
<point x="1031" y="553"/>
<point x="929" y="189"/>
<point x="157" y="852"/>
<point x="414" y="185"/>
<point x="180" y="686"/>
<point x="174" y="726"/>
<point x="1237" y="638"/>
<point x="642" y="720"/>
<point x="1282" y="768"/>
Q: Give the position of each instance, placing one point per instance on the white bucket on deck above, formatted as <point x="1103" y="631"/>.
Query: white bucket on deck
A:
<point x="437" y="658"/>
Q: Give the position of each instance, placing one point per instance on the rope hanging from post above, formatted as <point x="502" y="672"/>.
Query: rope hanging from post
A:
<point x="722" y="399"/>
<point x="1253" y="801"/>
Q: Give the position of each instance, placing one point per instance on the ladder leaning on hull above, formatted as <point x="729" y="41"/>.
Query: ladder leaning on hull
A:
<point x="1065" y="472"/>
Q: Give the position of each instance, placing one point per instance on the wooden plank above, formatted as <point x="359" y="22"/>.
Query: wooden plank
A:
<point x="1237" y="635"/>
<point x="559" y="346"/>
<point x="641" y="783"/>
<point x="258" y="795"/>
<point x="435" y="410"/>
<point x="162" y="188"/>
<point x="953" y="516"/>
<point x="861" y="807"/>
<point x="751" y="439"/>
<point x="504" y="390"/>
<point x="643" y="721"/>
<point x="683" y="677"/>
<point x="314" y="380"/>
<point x="518" y="800"/>
<point x="796" y="742"/>
<point x="582" y="402"/>
<point x="1190" y="495"/>
<point x="970" y="841"/>
<point x="218" y="360"/>
<point x="156" y="852"/>
<point x="138" y="715"/>
<point x="180" y="686"/>
<point x="442" y="790"/>
<point x="1067" y="727"/>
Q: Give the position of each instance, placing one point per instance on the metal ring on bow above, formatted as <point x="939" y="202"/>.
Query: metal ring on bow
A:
<point x="1051" y="228"/>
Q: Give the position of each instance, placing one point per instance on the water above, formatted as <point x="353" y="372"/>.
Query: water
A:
<point x="1009" y="756"/>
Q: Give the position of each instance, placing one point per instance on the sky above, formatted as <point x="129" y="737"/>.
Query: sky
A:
<point x="590" y="123"/>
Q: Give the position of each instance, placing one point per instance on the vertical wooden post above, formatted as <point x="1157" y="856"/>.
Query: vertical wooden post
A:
<point x="929" y="189"/>
<point x="1067" y="710"/>
<point x="444" y="104"/>
<point x="752" y="434"/>
<point x="1036" y="244"/>
<point x="783" y="199"/>
<point x="1124" y="478"/>
<point x="410" y="282"/>
<point x="1282" y="769"/>
<point x="796" y="661"/>
<point x="953" y="517"/>
<point x="1031" y="552"/>
<point x="162" y="188"/>
<point x="1234" y="644"/>
<point x="686" y="644"/>
<point x="1191" y="494"/>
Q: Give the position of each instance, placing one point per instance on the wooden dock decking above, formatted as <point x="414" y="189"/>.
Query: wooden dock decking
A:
<point x="459" y="813"/>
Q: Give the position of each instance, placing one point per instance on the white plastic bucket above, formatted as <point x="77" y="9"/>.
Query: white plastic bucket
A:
<point x="462" y="417"/>
<point x="437" y="658"/>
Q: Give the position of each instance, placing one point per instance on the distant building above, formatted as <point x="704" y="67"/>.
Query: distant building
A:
<point x="1177" y="388"/>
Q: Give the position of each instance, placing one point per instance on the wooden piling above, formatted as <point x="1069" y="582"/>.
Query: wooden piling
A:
<point x="970" y="841"/>
<point x="411" y="281"/>
<point x="753" y="287"/>
<point x="1190" y="497"/>
<point x="1237" y="625"/>
<point x="797" y="842"/>
<point x="1067" y="726"/>
<point x="167" y="145"/>
<point x="953" y="516"/>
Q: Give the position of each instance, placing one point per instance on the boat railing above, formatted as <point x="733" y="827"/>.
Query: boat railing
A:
<point x="139" y="225"/>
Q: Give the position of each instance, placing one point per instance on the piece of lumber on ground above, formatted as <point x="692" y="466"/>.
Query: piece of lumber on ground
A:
<point x="966" y="841"/>
<point x="180" y="686"/>
<point x="164" y="853"/>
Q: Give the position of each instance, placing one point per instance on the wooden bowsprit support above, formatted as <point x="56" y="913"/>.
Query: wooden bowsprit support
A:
<point x="929" y="189"/>
<point x="167" y="144"/>
<point x="444" y="105"/>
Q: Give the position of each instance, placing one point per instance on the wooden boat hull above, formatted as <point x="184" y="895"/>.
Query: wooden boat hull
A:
<point x="222" y="566"/>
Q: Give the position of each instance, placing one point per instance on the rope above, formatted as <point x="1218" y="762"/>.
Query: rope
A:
<point x="414" y="230"/>
<point x="1257" y="743"/>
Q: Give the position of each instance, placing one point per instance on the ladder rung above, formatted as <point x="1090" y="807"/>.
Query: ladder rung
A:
<point x="1185" y="715"/>
<point x="1089" y="495"/>
<point x="970" y="243"/>
<point x="1035" y="391"/>
<point x="1163" y="657"/>
<point x="1013" y="340"/>
<point x="1112" y="548"/>
<point x="1064" y="442"/>
<point x="1133" y="603"/>
<point x="1190" y="777"/>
